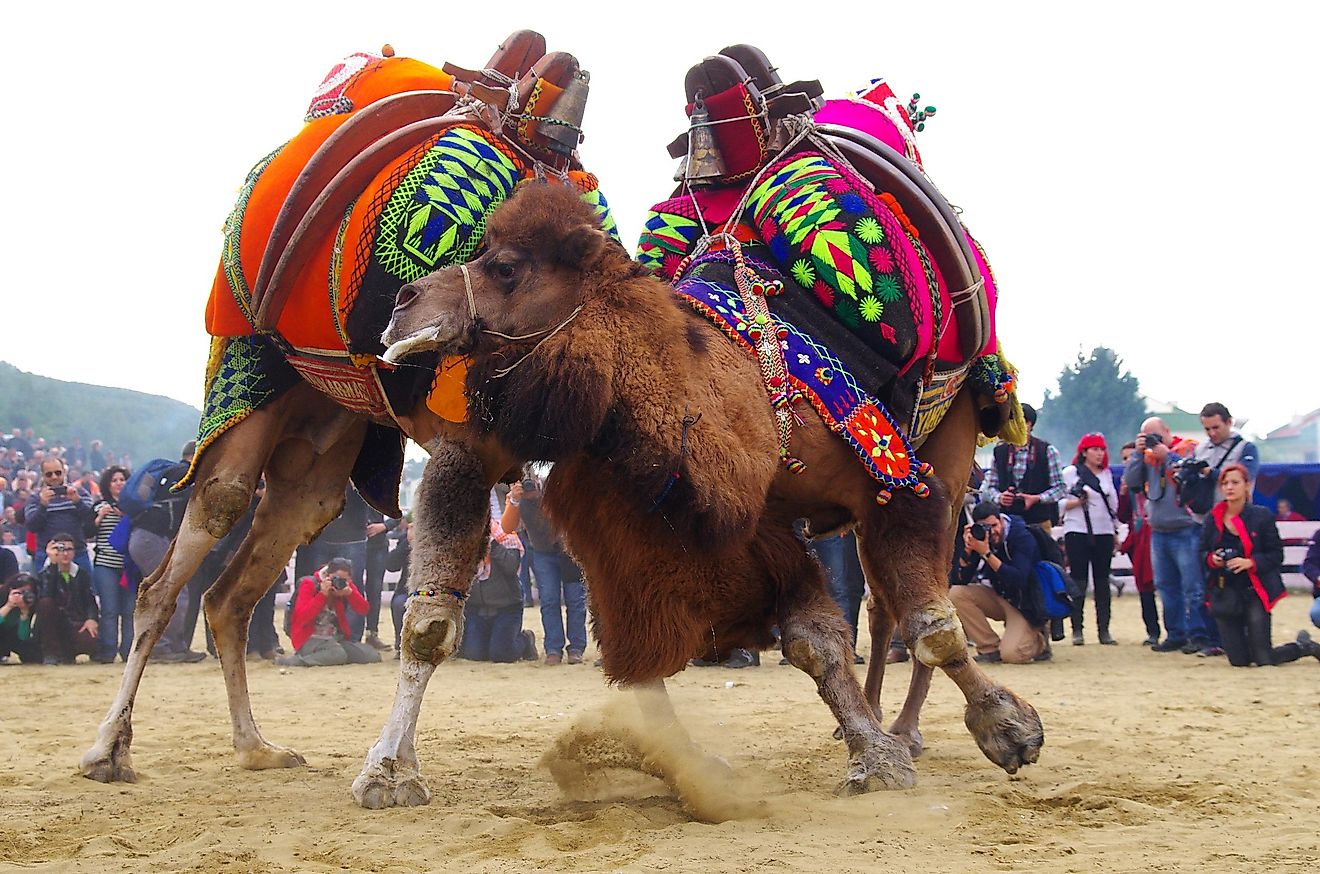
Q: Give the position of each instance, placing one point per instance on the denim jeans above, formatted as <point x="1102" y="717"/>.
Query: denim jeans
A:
<point x="1315" y="612"/>
<point x="496" y="638"/>
<point x="843" y="575"/>
<point x="116" y="627"/>
<point x="559" y="581"/>
<point x="398" y="605"/>
<point x="525" y="569"/>
<point x="1180" y="582"/>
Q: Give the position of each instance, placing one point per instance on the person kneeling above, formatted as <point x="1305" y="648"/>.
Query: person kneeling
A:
<point x="492" y="627"/>
<point x="997" y="580"/>
<point x="319" y="628"/>
<point x="18" y="602"/>
<point x="66" y="613"/>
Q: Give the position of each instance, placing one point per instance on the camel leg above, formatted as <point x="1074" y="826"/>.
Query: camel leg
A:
<point x="816" y="640"/>
<point x="451" y="531"/>
<point x="897" y="549"/>
<point x="225" y="482"/>
<point x="304" y="493"/>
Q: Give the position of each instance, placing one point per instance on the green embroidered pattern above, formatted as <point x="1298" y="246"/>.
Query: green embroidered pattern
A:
<point x="238" y="387"/>
<point x="596" y="200"/>
<point x="336" y="267"/>
<point x="437" y="215"/>
<point x="229" y="253"/>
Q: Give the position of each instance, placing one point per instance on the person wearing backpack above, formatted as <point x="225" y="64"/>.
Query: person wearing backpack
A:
<point x="996" y="579"/>
<point x="1088" y="532"/>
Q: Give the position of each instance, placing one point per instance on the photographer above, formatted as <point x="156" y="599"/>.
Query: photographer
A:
<point x="67" y="618"/>
<point x="1222" y="445"/>
<point x="1088" y="531"/>
<point x="57" y="507"/>
<point x="1173" y="539"/>
<point x="18" y="602"/>
<point x="319" y="629"/>
<point x="996" y="579"/>
<point x="1243" y="553"/>
<point x="1026" y="481"/>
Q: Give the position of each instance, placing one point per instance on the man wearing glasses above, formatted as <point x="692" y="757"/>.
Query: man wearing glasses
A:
<point x="58" y="508"/>
<point x="66" y="612"/>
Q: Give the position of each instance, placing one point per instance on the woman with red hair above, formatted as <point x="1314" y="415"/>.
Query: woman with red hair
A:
<point x="1089" y="516"/>
<point x="1243" y="554"/>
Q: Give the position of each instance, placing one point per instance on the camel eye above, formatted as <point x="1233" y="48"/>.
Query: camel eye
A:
<point x="504" y="270"/>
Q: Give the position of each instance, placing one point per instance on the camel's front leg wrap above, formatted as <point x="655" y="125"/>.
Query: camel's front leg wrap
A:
<point x="449" y="537"/>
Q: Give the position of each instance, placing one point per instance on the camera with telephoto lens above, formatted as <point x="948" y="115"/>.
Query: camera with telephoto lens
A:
<point x="529" y="484"/>
<point x="978" y="531"/>
<point x="1189" y="470"/>
<point x="1227" y="554"/>
<point x="338" y="583"/>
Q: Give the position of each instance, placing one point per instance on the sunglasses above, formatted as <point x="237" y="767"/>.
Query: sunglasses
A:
<point x="52" y="473"/>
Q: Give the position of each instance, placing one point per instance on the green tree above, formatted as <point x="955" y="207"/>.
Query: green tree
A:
<point x="1095" y="394"/>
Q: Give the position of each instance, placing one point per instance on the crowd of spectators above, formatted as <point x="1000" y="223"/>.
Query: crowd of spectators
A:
<point x="1210" y="574"/>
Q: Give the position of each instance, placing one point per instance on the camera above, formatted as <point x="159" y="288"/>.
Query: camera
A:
<point x="978" y="531"/>
<point x="29" y="597"/>
<point x="338" y="583"/>
<point x="1078" y="490"/>
<point x="1227" y="554"/>
<point x="1153" y="440"/>
<point x="1189" y="470"/>
<point x="529" y="484"/>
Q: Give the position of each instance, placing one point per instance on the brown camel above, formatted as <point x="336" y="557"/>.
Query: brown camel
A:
<point x="668" y="486"/>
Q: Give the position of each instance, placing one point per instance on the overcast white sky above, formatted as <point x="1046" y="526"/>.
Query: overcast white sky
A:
<point x="1141" y="175"/>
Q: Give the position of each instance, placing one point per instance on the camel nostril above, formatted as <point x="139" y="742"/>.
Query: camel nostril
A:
<point x="406" y="296"/>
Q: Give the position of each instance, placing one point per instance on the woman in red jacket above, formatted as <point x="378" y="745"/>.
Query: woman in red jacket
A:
<point x="1243" y="554"/>
<point x="319" y="628"/>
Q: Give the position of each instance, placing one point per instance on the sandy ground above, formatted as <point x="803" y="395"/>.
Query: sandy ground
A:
<point x="1151" y="762"/>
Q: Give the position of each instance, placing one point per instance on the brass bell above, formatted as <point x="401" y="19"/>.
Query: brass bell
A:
<point x="562" y="128"/>
<point x="703" y="164"/>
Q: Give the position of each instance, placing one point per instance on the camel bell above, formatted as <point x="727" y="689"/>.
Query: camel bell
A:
<point x="562" y="127"/>
<point x="704" y="164"/>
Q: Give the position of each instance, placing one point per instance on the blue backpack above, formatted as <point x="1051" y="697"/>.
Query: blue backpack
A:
<point x="142" y="488"/>
<point x="1053" y="589"/>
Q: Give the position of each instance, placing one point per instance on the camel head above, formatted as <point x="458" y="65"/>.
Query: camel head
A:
<point x="527" y="282"/>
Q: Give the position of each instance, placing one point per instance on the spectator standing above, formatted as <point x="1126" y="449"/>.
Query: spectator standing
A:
<point x="843" y="571"/>
<point x="378" y="547"/>
<point x="398" y="560"/>
<point x="558" y="579"/>
<point x="1090" y="514"/>
<point x="96" y="459"/>
<point x="1174" y="539"/>
<point x="1026" y="481"/>
<point x="113" y="591"/>
<point x="1311" y="570"/>
<point x="1222" y="446"/>
<point x="1284" y="512"/>
<point x="492" y="625"/>
<point x="66" y="612"/>
<point x="996" y="579"/>
<point x="59" y="508"/>
<point x="1132" y="512"/>
<point x="1244" y="554"/>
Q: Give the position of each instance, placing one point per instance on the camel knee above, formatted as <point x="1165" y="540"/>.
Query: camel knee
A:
<point x="222" y="503"/>
<point x="934" y="634"/>
<point x="804" y="656"/>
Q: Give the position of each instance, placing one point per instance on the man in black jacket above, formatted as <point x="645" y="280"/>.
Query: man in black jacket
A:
<point x="997" y="580"/>
<point x="66" y="611"/>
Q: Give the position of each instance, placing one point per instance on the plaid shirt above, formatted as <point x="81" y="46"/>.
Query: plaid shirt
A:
<point x="990" y="490"/>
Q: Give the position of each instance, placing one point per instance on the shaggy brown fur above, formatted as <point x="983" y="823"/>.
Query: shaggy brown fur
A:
<point x="610" y="368"/>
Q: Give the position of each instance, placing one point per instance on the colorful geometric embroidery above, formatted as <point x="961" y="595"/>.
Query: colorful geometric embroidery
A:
<point x="669" y="233"/>
<point x="814" y="371"/>
<point x="233" y="232"/>
<point x="596" y="200"/>
<point x="438" y="213"/>
<point x="993" y="376"/>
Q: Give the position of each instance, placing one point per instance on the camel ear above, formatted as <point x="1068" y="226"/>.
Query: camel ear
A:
<point x="582" y="246"/>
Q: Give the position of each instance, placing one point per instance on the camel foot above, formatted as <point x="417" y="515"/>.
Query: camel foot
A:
<point x="884" y="764"/>
<point x="385" y="785"/>
<point x="912" y="737"/>
<point x="107" y="768"/>
<point x="1006" y="728"/>
<point x="269" y="756"/>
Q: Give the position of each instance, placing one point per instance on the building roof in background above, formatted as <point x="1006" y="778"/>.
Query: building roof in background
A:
<point x="1295" y="427"/>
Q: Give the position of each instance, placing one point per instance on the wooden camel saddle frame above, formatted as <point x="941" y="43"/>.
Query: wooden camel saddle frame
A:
<point x="382" y="131"/>
<point x="936" y="222"/>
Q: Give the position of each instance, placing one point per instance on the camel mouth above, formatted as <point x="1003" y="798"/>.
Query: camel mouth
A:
<point x="425" y="340"/>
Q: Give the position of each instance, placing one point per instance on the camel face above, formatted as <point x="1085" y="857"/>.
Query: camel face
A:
<point x="525" y="284"/>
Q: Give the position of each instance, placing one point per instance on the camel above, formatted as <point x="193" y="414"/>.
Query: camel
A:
<point x="668" y="486"/>
<point x="323" y="415"/>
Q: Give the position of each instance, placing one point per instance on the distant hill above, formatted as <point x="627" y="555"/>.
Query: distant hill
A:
<point x="145" y="426"/>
